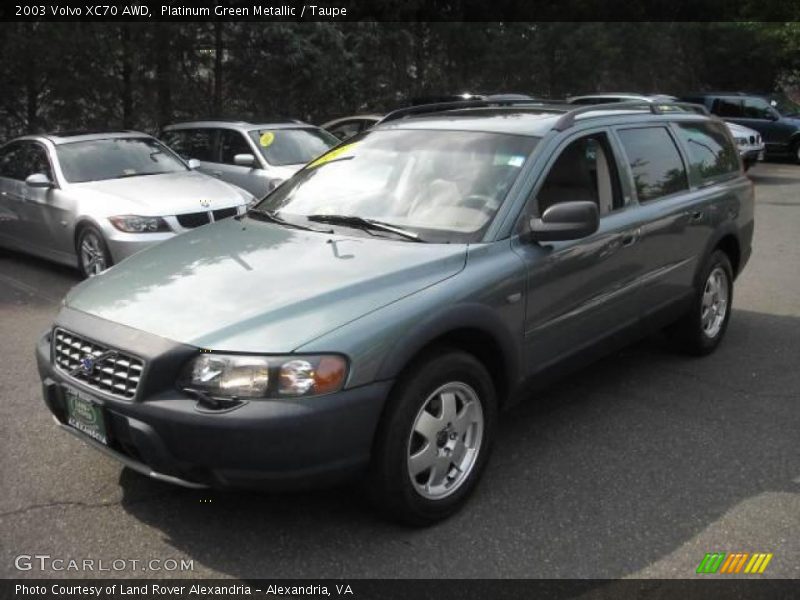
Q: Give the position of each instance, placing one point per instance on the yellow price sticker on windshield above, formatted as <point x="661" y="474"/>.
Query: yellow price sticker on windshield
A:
<point x="339" y="152"/>
<point x="266" y="139"/>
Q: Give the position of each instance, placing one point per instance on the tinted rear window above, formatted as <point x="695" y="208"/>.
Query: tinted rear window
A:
<point x="711" y="152"/>
<point x="655" y="162"/>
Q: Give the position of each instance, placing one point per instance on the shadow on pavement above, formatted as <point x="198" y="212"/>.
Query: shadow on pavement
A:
<point x="600" y="475"/>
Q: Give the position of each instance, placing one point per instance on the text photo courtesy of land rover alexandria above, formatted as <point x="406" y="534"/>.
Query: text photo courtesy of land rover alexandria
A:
<point x="370" y="317"/>
<point x="89" y="200"/>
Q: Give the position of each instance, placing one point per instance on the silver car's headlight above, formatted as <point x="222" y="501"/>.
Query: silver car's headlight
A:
<point x="741" y="141"/>
<point x="136" y="224"/>
<point x="246" y="376"/>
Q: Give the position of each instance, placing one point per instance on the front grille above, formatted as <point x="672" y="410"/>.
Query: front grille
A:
<point x="116" y="373"/>
<point x="192" y="220"/>
<point x="224" y="213"/>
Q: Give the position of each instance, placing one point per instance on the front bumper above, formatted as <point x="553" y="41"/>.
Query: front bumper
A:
<point x="751" y="154"/>
<point x="264" y="444"/>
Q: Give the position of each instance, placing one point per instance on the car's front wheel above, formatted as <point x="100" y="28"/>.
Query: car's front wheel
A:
<point x="93" y="254"/>
<point x="434" y="439"/>
<point x="702" y="328"/>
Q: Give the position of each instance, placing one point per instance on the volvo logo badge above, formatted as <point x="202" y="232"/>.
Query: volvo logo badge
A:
<point x="87" y="363"/>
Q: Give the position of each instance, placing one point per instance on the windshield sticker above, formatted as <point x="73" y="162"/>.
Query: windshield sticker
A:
<point x="516" y="161"/>
<point x="337" y="153"/>
<point x="266" y="139"/>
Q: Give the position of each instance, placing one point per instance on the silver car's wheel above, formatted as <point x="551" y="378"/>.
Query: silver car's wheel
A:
<point x="92" y="253"/>
<point x="445" y="440"/>
<point x="715" y="302"/>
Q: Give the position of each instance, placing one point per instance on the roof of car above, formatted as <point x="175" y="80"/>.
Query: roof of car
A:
<point x="529" y="120"/>
<point x="67" y="137"/>
<point x="239" y="124"/>
<point x="626" y="95"/>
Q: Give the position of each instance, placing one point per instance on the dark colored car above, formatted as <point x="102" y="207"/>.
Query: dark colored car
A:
<point x="781" y="133"/>
<point x="373" y="314"/>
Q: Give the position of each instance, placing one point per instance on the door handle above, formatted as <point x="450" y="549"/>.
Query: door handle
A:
<point x="629" y="238"/>
<point x="696" y="215"/>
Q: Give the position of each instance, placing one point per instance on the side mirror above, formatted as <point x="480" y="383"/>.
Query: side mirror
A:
<point x="193" y="163"/>
<point x="566" y="221"/>
<point x="773" y="115"/>
<point x="38" y="180"/>
<point x="244" y="160"/>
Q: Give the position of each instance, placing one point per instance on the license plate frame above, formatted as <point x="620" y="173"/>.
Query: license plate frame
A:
<point x="86" y="415"/>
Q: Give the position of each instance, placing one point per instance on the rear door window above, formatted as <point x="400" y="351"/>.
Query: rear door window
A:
<point x="711" y="153"/>
<point x="192" y="143"/>
<point x="655" y="162"/>
<point x="728" y="107"/>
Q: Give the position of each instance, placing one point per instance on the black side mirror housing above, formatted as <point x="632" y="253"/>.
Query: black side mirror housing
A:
<point x="566" y="221"/>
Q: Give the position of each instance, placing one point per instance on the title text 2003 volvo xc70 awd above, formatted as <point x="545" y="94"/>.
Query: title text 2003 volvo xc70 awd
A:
<point x="373" y="313"/>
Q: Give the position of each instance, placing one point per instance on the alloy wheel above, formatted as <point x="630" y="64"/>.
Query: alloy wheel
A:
<point x="445" y="440"/>
<point x="93" y="257"/>
<point x="714" y="309"/>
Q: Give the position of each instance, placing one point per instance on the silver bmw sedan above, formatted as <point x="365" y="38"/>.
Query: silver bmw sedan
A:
<point x="91" y="200"/>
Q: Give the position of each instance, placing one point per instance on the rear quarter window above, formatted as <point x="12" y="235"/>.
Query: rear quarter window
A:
<point x="711" y="153"/>
<point x="655" y="163"/>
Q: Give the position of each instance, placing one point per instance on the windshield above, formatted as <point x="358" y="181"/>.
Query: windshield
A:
<point x="785" y="106"/>
<point x="446" y="186"/>
<point x="112" y="158"/>
<point x="292" y="146"/>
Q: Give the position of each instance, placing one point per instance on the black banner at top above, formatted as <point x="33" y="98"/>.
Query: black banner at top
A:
<point x="400" y="10"/>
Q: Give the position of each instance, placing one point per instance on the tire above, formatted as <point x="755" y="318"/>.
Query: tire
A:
<point x="701" y="330"/>
<point x="92" y="250"/>
<point x="441" y="383"/>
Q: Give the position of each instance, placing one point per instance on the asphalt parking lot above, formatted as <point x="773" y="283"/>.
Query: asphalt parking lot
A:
<point x="636" y="467"/>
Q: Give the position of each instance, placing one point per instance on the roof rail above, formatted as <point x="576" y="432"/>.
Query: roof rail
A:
<point x="421" y="109"/>
<point x="656" y="108"/>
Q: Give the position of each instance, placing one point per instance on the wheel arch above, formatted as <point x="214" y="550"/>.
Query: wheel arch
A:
<point x="475" y="329"/>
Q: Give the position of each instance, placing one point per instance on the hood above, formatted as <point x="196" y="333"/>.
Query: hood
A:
<point x="250" y="286"/>
<point x="284" y="172"/>
<point x="169" y="193"/>
<point x="740" y="130"/>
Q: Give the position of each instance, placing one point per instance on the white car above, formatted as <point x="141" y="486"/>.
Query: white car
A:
<point x="90" y="200"/>
<point x="748" y="141"/>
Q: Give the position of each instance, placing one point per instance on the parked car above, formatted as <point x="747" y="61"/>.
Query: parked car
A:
<point x="781" y="133"/>
<point x="749" y="142"/>
<point x="91" y="199"/>
<point x="373" y="314"/>
<point x="346" y="127"/>
<point x="254" y="156"/>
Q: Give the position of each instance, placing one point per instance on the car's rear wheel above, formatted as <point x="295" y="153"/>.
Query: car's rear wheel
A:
<point x="434" y="439"/>
<point x="701" y="330"/>
<point x="93" y="254"/>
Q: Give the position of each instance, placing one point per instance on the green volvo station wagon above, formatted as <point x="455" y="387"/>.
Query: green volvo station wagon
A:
<point x="371" y="316"/>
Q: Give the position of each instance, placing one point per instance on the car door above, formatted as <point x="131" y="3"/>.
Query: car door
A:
<point x="251" y="178"/>
<point x="580" y="292"/>
<point x="49" y="212"/>
<point x="761" y="116"/>
<point x="11" y="223"/>
<point x="671" y="215"/>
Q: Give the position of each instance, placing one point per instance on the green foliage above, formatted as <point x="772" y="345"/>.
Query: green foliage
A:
<point x="105" y="75"/>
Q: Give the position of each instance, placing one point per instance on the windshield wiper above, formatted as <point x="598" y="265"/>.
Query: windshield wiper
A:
<point x="365" y="224"/>
<point x="124" y="175"/>
<point x="266" y="215"/>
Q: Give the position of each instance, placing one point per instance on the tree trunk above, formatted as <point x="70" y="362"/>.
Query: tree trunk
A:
<point x="163" y="74"/>
<point x="127" y="77"/>
<point x="218" y="52"/>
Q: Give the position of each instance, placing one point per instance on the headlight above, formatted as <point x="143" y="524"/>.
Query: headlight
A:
<point x="230" y="375"/>
<point x="741" y="141"/>
<point x="134" y="224"/>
